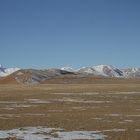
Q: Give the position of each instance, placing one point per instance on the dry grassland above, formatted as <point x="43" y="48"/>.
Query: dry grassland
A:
<point x="113" y="108"/>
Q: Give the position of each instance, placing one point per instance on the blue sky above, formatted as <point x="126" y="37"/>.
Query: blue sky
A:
<point x="75" y="33"/>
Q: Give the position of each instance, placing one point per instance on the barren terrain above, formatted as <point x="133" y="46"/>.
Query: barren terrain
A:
<point x="108" y="110"/>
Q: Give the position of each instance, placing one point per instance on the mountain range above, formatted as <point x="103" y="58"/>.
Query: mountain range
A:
<point x="32" y="76"/>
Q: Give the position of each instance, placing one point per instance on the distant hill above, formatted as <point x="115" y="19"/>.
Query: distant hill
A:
<point x="34" y="76"/>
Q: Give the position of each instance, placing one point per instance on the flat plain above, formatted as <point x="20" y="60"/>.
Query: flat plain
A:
<point x="109" y="109"/>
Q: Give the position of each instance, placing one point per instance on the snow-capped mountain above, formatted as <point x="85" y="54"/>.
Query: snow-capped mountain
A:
<point x="68" y="69"/>
<point x="103" y="70"/>
<point x="7" y="71"/>
<point x="31" y="76"/>
<point x="132" y="72"/>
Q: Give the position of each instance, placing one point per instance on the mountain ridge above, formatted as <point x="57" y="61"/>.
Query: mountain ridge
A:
<point x="34" y="76"/>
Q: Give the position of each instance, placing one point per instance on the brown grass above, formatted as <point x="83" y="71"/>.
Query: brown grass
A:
<point x="117" y="111"/>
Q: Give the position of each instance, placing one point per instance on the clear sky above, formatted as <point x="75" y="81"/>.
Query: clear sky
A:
<point x="75" y="33"/>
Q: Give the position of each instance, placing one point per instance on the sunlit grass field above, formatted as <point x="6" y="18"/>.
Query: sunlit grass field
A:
<point x="112" y="108"/>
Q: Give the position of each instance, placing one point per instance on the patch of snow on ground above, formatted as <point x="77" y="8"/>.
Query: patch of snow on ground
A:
<point x="37" y="101"/>
<point x="115" y="130"/>
<point x="113" y="115"/>
<point x="84" y="93"/>
<point x="41" y="133"/>
<point x="76" y="100"/>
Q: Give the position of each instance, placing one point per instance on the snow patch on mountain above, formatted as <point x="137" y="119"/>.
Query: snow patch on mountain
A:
<point x="103" y="70"/>
<point x="132" y="72"/>
<point x="69" y="69"/>
<point x="7" y="71"/>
